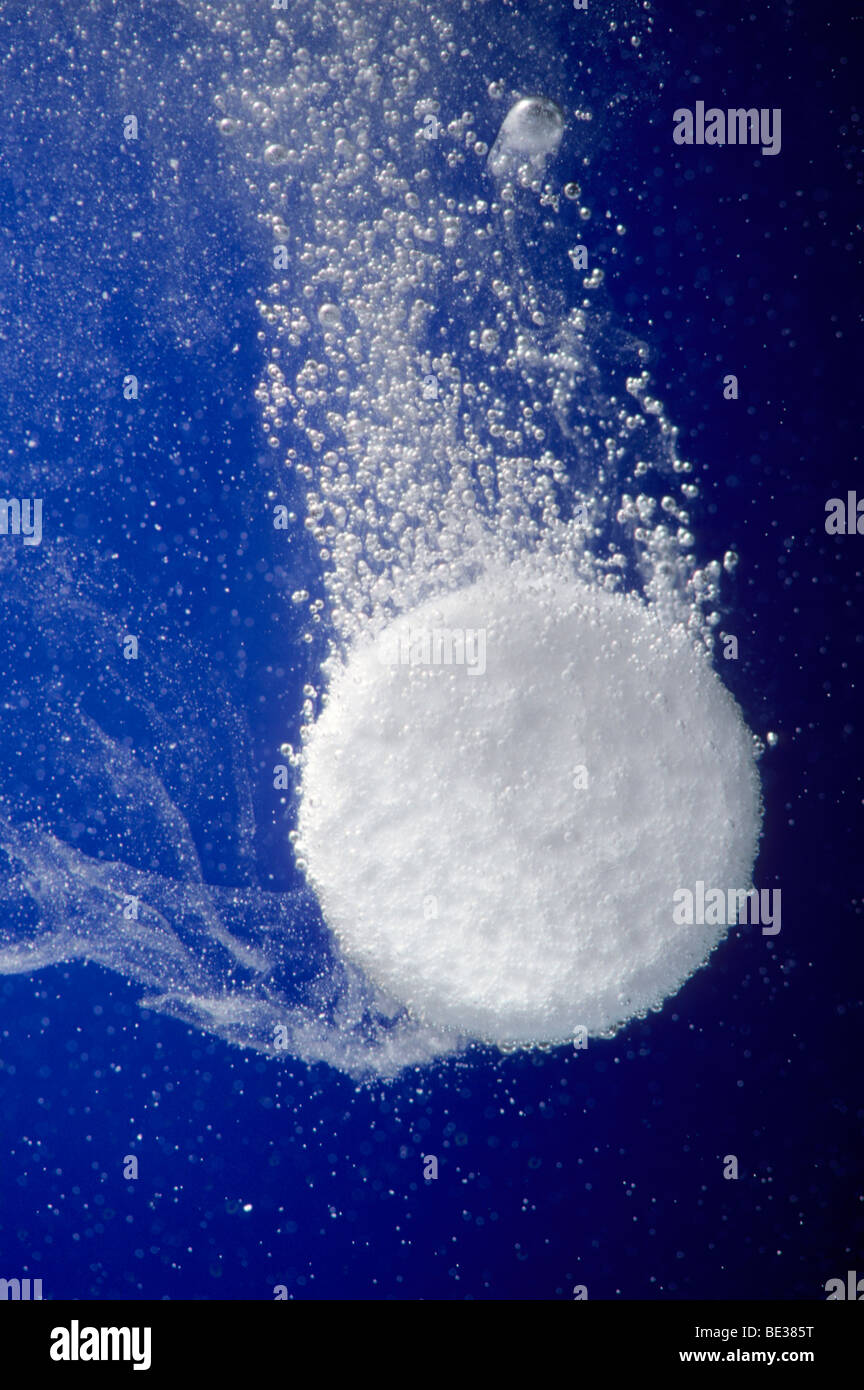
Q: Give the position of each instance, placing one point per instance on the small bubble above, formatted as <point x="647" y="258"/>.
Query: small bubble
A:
<point x="329" y="316"/>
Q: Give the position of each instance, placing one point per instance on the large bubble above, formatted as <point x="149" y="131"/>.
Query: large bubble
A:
<point x="529" y="137"/>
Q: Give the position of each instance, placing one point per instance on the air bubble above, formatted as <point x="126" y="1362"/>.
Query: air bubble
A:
<point x="277" y="154"/>
<point x="529" y="136"/>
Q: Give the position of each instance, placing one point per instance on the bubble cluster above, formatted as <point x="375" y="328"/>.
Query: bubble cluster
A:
<point x="464" y="410"/>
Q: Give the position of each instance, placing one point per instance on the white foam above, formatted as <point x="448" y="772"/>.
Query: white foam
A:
<point x="453" y="849"/>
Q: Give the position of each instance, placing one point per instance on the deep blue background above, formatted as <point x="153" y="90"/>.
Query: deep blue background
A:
<point x="602" y="1168"/>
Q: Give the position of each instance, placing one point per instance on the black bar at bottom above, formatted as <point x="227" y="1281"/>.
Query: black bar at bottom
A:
<point x="59" y="1340"/>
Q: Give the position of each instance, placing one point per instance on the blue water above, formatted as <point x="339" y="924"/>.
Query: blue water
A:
<point x="601" y="1168"/>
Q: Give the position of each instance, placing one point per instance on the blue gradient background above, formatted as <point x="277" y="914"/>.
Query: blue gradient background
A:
<point x="601" y="1168"/>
